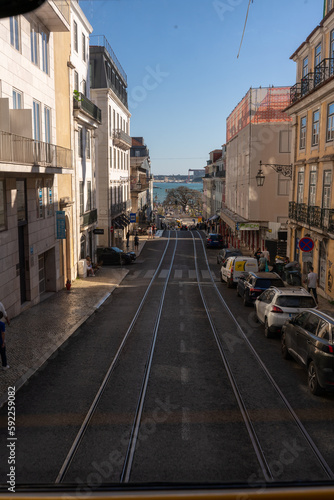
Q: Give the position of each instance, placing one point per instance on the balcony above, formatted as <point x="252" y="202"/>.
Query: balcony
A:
<point x="322" y="72"/>
<point x="118" y="208"/>
<point x="16" y="149"/>
<point x="88" y="218"/>
<point x="83" y="104"/>
<point x="121" y="139"/>
<point x="55" y="15"/>
<point x="321" y="218"/>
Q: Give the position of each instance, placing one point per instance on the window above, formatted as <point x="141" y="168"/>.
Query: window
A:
<point x="87" y="143"/>
<point x="312" y="188"/>
<point x="302" y="138"/>
<point x="305" y="67"/>
<point x="47" y="125"/>
<point x="330" y="123"/>
<point x="34" y="45"/>
<point x="83" y="47"/>
<point x="323" y="330"/>
<point x="326" y="193"/>
<point x="75" y="36"/>
<point x="2" y="205"/>
<point x="300" y="187"/>
<point x="89" y="196"/>
<point x="81" y="195"/>
<point x="17" y="99"/>
<point x="283" y="185"/>
<point x="49" y="193"/>
<point x="84" y="87"/>
<point x="39" y="199"/>
<point x="45" y="55"/>
<point x="284" y="141"/>
<point x="80" y="143"/>
<point x="317" y="68"/>
<point x="14" y="32"/>
<point x="315" y="128"/>
<point x="37" y="120"/>
<point x="76" y="80"/>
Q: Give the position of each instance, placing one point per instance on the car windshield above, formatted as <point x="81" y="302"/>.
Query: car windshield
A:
<point x="295" y="301"/>
<point x="116" y="249"/>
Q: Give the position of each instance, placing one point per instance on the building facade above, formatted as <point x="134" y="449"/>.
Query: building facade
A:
<point x="32" y="162"/>
<point x="109" y="93"/>
<point x="257" y="131"/>
<point x="311" y="209"/>
<point x="214" y="187"/>
<point x="141" y="181"/>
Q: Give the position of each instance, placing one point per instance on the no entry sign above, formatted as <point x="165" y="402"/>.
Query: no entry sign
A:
<point x="306" y="244"/>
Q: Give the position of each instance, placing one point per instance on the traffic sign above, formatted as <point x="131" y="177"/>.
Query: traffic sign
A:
<point x="306" y="244"/>
<point x="132" y="217"/>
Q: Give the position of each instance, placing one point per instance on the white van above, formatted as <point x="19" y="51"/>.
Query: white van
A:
<point x="234" y="266"/>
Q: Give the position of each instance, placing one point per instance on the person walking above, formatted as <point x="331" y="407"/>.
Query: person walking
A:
<point x="3" y="343"/>
<point x="5" y="315"/>
<point x="262" y="263"/>
<point x="136" y="242"/>
<point x="257" y="254"/>
<point x="127" y="239"/>
<point x="312" y="282"/>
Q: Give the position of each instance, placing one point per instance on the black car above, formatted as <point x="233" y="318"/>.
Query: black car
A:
<point x="114" y="255"/>
<point x="227" y="252"/>
<point x="251" y="285"/>
<point x="308" y="337"/>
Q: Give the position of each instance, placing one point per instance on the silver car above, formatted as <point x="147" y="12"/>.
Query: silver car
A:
<point x="277" y="305"/>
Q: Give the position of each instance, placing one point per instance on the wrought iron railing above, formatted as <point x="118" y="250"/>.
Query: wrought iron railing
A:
<point x="120" y="135"/>
<point x="88" y="218"/>
<point x="101" y="41"/>
<point x="322" y="72"/>
<point x="118" y="208"/>
<point x="22" y="150"/>
<point x="80" y="101"/>
<point x="315" y="216"/>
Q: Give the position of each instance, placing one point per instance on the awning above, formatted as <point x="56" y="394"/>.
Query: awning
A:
<point x="125" y="219"/>
<point x="231" y="218"/>
<point x="214" y="217"/>
<point x="120" y="223"/>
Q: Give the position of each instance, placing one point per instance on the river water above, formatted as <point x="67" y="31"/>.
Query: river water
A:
<point x="160" y="189"/>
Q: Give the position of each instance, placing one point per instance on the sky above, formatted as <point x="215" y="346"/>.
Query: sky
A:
<point x="184" y="76"/>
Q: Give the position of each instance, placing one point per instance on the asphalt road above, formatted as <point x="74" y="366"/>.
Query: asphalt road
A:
<point x="191" y="428"/>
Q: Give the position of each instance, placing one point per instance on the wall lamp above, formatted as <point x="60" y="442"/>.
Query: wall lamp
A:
<point x="285" y="170"/>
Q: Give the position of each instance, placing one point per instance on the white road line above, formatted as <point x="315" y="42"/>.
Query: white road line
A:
<point x="185" y="432"/>
<point x="192" y="274"/>
<point x="163" y="273"/>
<point x="149" y="274"/>
<point x="178" y="274"/>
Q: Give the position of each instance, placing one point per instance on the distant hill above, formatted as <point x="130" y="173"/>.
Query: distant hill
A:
<point x="176" y="178"/>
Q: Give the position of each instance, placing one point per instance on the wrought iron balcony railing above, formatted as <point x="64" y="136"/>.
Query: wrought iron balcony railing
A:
<point x="88" y="218"/>
<point x="315" y="216"/>
<point x="82" y="102"/>
<point x="25" y="151"/>
<point x="322" y="72"/>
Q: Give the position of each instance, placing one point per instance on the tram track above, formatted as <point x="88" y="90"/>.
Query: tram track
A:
<point x="255" y="439"/>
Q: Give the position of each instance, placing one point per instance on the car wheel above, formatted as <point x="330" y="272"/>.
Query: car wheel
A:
<point x="229" y="283"/>
<point x="312" y="380"/>
<point x="246" y="302"/>
<point x="267" y="332"/>
<point x="238" y="294"/>
<point x="221" y="278"/>
<point x="284" y="349"/>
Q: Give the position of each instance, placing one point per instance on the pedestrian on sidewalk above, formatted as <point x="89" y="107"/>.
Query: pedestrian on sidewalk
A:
<point x="312" y="282"/>
<point x="3" y="344"/>
<point x="136" y="241"/>
<point x="5" y="315"/>
<point x="90" y="270"/>
<point x="127" y="239"/>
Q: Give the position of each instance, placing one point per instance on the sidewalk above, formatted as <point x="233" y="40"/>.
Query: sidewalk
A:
<point x="37" y="333"/>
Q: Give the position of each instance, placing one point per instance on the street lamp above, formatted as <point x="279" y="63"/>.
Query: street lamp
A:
<point x="285" y="170"/>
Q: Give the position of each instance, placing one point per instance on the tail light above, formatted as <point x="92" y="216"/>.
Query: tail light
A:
<point x="328" y="348"/>
<point x="254" y="290"/>
<point x="276" y="309"/>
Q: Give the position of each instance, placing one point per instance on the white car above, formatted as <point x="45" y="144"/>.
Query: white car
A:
<point x="234" y="267"/>
<point x="277" y="305"/>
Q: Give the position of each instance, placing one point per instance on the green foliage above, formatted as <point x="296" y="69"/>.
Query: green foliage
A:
<point x="77" y="95"/>
<point x="183" y="197"/>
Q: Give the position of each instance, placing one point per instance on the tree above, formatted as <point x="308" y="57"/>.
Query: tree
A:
<point x="183" y="197"/>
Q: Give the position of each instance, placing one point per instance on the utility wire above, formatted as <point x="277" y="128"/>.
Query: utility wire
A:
<point x="244" y="27"/>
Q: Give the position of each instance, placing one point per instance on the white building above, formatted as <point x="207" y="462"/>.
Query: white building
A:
<point x="109" y="93"/>
<point x="31" y="160"/>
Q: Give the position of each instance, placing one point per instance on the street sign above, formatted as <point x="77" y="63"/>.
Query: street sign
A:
<point x="306" y="244"/>
<point x="132" y="217"/>
<point x="98" y="231"/>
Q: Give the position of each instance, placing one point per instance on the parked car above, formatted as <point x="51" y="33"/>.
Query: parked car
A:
<point x="114" y="255"/>
<point x="184" y="227"/>
<point x="251" y="285"/>
<point x="214" y="240"/>
<point x="227" y="252"/>
<point x="308" y="338"/>
<point x="277" y="305"/>
<point x="235" y="267"/>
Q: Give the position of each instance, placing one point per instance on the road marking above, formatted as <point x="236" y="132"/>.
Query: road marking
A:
<point x="192" y="274"/>
<point x="149" y="274"/>
<point x="163" y="273"/>
<point x="206" y="275"/>
<point x="184" y="375"/>
<point x="185" y="431"/>
<point x="183" y="346"/>
<point x="178" y="274"/>
<point x="181" y="326"/>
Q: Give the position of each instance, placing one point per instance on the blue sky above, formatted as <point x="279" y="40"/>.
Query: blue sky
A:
<point x="184" y="77"/>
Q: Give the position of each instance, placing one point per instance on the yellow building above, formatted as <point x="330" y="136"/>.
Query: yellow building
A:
<point x="311" y="211"/>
